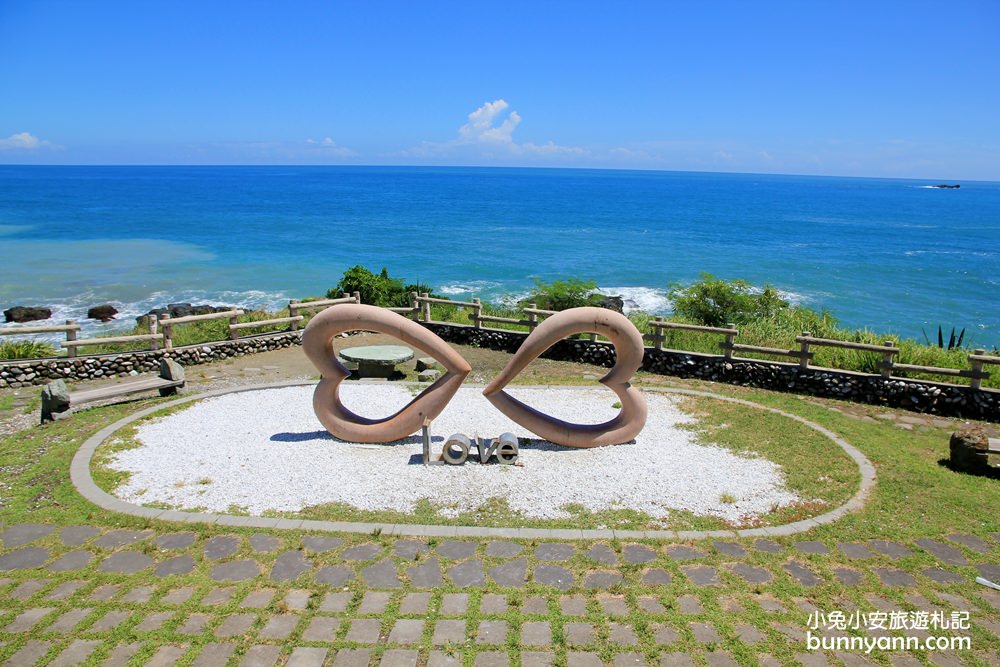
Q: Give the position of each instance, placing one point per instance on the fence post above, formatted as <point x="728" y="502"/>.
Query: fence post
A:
<point x="70" y="336"/>
<point x="357" y="297"/>
<point x="886" y="370"/>
<point x="804" y="350"/>
<point x="532" y="317"/>
<point x="153" y="322"/>
<point x="427" y="306"/>
<point x="168" y="333"/>
<point x="415" y="306"/>
<point x="730" y="341"/>
<point x="293" y="311"/>
<point x="233" y="333"/>
<point x="659" y="338"/>
<point x="977" y="371"/>
<point x="476" y="323"/>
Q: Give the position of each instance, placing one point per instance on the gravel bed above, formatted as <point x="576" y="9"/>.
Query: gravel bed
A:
<point x="265" y="450"/>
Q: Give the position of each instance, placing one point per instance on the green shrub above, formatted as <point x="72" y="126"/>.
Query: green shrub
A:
<point x="377" y="289"/>
<point x="563" y="294"/>
<point x="714" y="302"/>
<point x="26" y="349"/>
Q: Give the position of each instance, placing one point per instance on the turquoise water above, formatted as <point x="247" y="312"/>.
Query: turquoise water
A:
<point x="889" y="255"/>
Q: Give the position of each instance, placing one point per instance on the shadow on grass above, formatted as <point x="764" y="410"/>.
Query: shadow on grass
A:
<point x="988" y="473"/>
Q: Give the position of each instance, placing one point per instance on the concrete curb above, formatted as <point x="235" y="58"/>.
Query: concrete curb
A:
<point x="84" y="483"/>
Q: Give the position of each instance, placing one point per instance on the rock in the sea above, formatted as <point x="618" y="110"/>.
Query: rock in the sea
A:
<point x="104" y="313"/>
<point x="615" y="303"/>
<point x="26" y="314"/>
<point x="182" y="310"/>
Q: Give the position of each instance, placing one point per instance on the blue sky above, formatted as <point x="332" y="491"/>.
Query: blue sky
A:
<point x="900" y="89"/>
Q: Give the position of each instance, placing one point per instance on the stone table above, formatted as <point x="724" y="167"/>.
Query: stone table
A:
<point x="377" y="361"/>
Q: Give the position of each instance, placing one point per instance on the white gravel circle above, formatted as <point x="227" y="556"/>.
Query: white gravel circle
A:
<point x="265" y="450"/>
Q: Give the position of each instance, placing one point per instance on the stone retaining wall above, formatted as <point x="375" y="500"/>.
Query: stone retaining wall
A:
<point x="927" y="397"/>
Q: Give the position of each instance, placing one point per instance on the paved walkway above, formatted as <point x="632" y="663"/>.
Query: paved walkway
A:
<point x="122" y="596"/>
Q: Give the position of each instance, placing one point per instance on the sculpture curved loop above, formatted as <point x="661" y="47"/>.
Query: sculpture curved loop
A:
<point x="317" y="342"/>
<point x="629" y="348"/>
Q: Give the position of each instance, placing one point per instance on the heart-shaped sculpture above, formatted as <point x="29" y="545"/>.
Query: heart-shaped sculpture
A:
<point x="317" y="342"/>
<point x="628" y="346"/>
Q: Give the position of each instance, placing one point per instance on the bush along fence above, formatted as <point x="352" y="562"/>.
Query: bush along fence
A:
<point x="797" y="375"/>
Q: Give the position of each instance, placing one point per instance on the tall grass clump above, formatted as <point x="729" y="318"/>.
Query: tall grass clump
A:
<point x="26" y="349"/>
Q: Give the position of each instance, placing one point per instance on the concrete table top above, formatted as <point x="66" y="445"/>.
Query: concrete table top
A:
<point x="382" y="355"/>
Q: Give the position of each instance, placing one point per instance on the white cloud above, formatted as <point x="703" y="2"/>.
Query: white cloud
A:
<point x="24" y="141"/>
<point x="327" y="146"/>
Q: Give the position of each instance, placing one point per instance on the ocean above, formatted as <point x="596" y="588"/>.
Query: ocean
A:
<point x="883" y="254"/>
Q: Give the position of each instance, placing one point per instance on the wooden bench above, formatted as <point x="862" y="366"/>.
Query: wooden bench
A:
<point x="58" y="401"/>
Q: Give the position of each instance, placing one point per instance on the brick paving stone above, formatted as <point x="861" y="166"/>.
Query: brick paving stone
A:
<point x="554" y="575"/>
<point x="23" y="559"/>
<point x="261" y="543"/>
<point x="613" y="605"/>
<point x="406" y="631"/>
<point x="893" y="550"/>
<point x="24" y="533"/>
<point x="221" y="546"/>
<point x="705" y="633"/>
<point x="682" y="553"/>
<point x="601" y="580"/>
<point x="492" y="632"/>
<point x="454" y="604"/>
<point x="720" y="659"/>
<point x="29" y="654"/>
<point x="122" y="537"/>
<point x="218" y="596"/>
<point x="629" y="659"/>
<point x="334" y="575"/>
<point x="139" y="595"/>
<point x="892" y="577"/>
<point x="811" y="547"/>
<point x="676" y="660"/>
<point x="448" y="631"/>
<point x="769" y="604"/>
<point x="793" y="632"/>
<point x="493" y="605"/>
<point x="322" y="629"/>
<point x="946" y="553"/>
<point x="175" y="540"/>
<point x="235" y="625"/>
<point x="279" y="626"/>
<point x="535" y="605"/>
<point x="214" y="654"/>
<point x="603" y="554"/>
<point x="502" y="549"/>
<point x="364" y="630"/>
<point x="399" y="657"/>
<point x="237" y="570"/>
<point x="656" y="577"/>
<point x="28" y="588"/>
<point x="167" y="656"/>
<point x="307" y="656"/>
<point x="748" y="634"/>
<point x="991" y="572"/>
<point x="319" y="543"/>
<point x="72" y="560"/>
<point x="537" y="659"/>
<point x="460" y="549"/>
<point x="802" y="574"/>
<point x="426" y="574"/>
<point x="442" y="659"/>
<point x="881" y="603"/>
<point x="297" y="599"/>
<point x="751" y="573"/>
<point x="767" y="546"/>
<point x="337" y="602"/>
<point x="651" y="605"/>
<point x="105" y="593"/>
<point x="573" y="605"/>
<point x="69" y="620"/>
<point x="970" y="542"/>
<point x="943" y="659"/>
<point x="365" y="551"/>
<point x="619" y="633"/>
<point x="731" y="549"/>
<point x="903" y="660"/>
<point x="512" y="574"/>
<point x="290" y="565"/>
<point x="109" y="621"/>
<point x="554" y="551"/>
<point x="579" y="634"/>
<point x="766" y="660"/>
<point x="536" y="633"/>
<point x="701" y="575"/>
<point x="28" y="619"/>
<point x="261" y="656"/>
<point x="415" y="603"/>
<point x="381" y="575"/>
<point x="154" y="621"/>
<point x="125" y="562"/>
<point x="469" y="573"/>
<point x="992" y="597"/>
<point x="122" y="654"/>
<point x="174" y="566"/>
<point x="847" y="576"/>
<point x="491" y="659"/>
<point x="409" y="549"/>
<point x="805" y="605"/>
<point x="583" y="659"/>
<point x="374" y="602"/>
<point x="195" y="624"/>
<point x="350" y="657"/>
<point x="664" y="634"/>
<point x="851" y="660"/>
<point x="75" y="536"/>
<point x="942" y="576"/>
<point x="258" y="599"/>
<point x="178" y="595"/>
<point x="732" y="605"/>
<point x="855" y="550"/>
<point x="636" y="554"/>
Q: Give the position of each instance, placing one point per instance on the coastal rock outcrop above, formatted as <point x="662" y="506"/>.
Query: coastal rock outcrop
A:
<point x="26" y="314"/>
<point x="615" y="303"/>
<point x="104" y="313"/>
<point x="183" y="310"/>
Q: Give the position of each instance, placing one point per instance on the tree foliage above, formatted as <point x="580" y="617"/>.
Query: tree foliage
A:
<point x="715" y="302"/>
<point x="377" y="289"/>
<point x="564" y="294"/>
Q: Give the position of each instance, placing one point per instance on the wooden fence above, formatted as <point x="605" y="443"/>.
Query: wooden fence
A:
<point x="161" y="331"/>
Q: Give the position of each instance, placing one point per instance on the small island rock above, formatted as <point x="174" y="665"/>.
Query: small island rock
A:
<point x="26" y="314"/>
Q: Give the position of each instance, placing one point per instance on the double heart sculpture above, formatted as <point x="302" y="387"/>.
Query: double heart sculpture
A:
<point x="317" y="341"/>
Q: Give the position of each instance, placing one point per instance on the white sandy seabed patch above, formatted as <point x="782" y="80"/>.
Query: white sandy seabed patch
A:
<point x="265" y="450"/>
